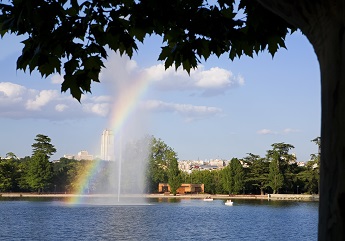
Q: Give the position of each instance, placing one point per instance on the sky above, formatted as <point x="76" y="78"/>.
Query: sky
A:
<point x="223" y="109"/>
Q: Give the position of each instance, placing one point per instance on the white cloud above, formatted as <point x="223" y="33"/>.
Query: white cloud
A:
<point x="10" y="90"/>
<point x="57" y="79"/>
<point x="270" y="132"/>
<point x="131" y="65"/>
<point x="213" y="78"/>
<point x="206" y="82"/>
<point x="60" y="107"/>
<point x="214" y="81"/>
<point x="19" y="102"/>
<point x="189" y="112"/>
<point x="100" y="109"/>
<point x="42" y="99"/>
<point x="266" y="132"/>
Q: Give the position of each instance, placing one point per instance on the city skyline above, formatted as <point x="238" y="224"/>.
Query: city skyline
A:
<point x="223" y="109"/>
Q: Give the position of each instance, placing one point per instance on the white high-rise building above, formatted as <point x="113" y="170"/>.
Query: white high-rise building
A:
<point x="107" y="145"/>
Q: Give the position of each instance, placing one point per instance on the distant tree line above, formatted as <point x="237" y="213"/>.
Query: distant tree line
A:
<point x="277" y="172"/>
<point x="37" y="174"/>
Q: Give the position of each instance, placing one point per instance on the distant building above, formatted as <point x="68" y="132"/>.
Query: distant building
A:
<point x="301" y="164"/>
<point x="183" y="189"/>
<point x="82" y="155"/>
<point x="68" y="156"/>
<point x="217" y="162"/>
<point x="107" y="145"/>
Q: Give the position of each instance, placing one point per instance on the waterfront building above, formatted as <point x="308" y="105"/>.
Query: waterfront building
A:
<point x="107" y="145"/>
<point x="183" y="189"/>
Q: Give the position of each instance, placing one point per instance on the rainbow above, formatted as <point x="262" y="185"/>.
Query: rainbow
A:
<point x="124" y="105"/>
<point x="127" y="101"/>
<point x="82" y="180"/>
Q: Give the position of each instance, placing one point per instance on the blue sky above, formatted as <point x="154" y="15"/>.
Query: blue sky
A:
<point x="222" y="110"/>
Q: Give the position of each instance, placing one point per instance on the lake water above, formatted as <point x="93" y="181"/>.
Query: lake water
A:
<point x="158" y="219"/>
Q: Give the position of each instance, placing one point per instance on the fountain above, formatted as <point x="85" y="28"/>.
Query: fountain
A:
<point x="126" y="173"/>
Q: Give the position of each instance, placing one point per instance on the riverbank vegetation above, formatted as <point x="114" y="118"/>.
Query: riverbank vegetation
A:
<point x="277" y="172"/>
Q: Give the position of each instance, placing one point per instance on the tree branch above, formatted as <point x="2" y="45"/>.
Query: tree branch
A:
<point x="299" y="13"/>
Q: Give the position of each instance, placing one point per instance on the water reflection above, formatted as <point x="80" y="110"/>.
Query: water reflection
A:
<point x="164" y="219"/>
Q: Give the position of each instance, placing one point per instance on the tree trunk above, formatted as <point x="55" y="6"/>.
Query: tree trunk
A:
<point x="323" y="22"/>
<point x="331" y="54"/>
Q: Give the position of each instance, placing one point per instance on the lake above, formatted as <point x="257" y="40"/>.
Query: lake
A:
<point x="158" y="219"/>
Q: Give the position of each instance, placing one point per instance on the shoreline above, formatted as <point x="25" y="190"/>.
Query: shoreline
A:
<point x="291" y="197"/>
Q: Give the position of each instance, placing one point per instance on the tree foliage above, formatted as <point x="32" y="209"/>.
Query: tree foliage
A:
<point x="40" y="172"/>
<point x="8" y="175"/>
<point x="43" y="146"/>
<point x="174" y="175"/>
<point x="275" y="176"/>
<point x="258" y="172"/>
<point x="72" y="37"/>
<point x="238" y="175"/>
<point x="281" y="162"/>
<point x="227" y="179"/>
<point x="161" y="166"/>
<point x="233" y="177"/>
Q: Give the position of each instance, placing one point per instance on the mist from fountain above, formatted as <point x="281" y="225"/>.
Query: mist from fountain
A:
<point x="125" y="182"/>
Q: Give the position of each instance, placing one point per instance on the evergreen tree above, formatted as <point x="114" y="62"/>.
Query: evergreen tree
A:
<point x="43" y="146"/>
<point x="258" y="172"/>
<point x="286" y="163"/>
<point x="237" y="175"/>
<point x="275" y="176"/>
<point x="310" y="177"/>
<point x="228" y="181"/>
<point x="233" y="177"/>
<point x="174" y="176"/>
<point x="40" y="172"/>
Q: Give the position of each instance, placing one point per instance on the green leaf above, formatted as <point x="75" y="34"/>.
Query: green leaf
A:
<point x="71" y="84"/>
<point x="71" y="66"/>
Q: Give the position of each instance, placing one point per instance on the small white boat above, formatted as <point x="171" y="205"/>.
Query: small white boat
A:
<point x="229" y="203"/>
<point x="208" y="198"/>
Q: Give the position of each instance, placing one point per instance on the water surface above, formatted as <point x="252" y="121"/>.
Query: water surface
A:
<point x="158" y="219"/>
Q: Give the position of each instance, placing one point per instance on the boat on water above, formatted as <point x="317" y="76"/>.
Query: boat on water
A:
<point x="229" y="203"/>
<point x="208" y="198"/>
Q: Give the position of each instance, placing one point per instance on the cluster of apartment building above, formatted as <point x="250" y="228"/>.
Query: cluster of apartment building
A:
<point x="82" y="155"/>
<point x="212" y="164"/>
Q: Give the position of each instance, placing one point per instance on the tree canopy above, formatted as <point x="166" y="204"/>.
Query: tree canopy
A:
<point x="72" y="37"/>
<point x="43" y="145"/>
<point x="40" y="172"/>
<point x="162" y="166"/>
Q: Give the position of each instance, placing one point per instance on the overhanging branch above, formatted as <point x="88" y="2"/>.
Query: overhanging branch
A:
<point x="299" y="13"/>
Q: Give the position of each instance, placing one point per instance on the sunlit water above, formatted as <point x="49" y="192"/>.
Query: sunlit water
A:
<point x="158" y="219"/>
